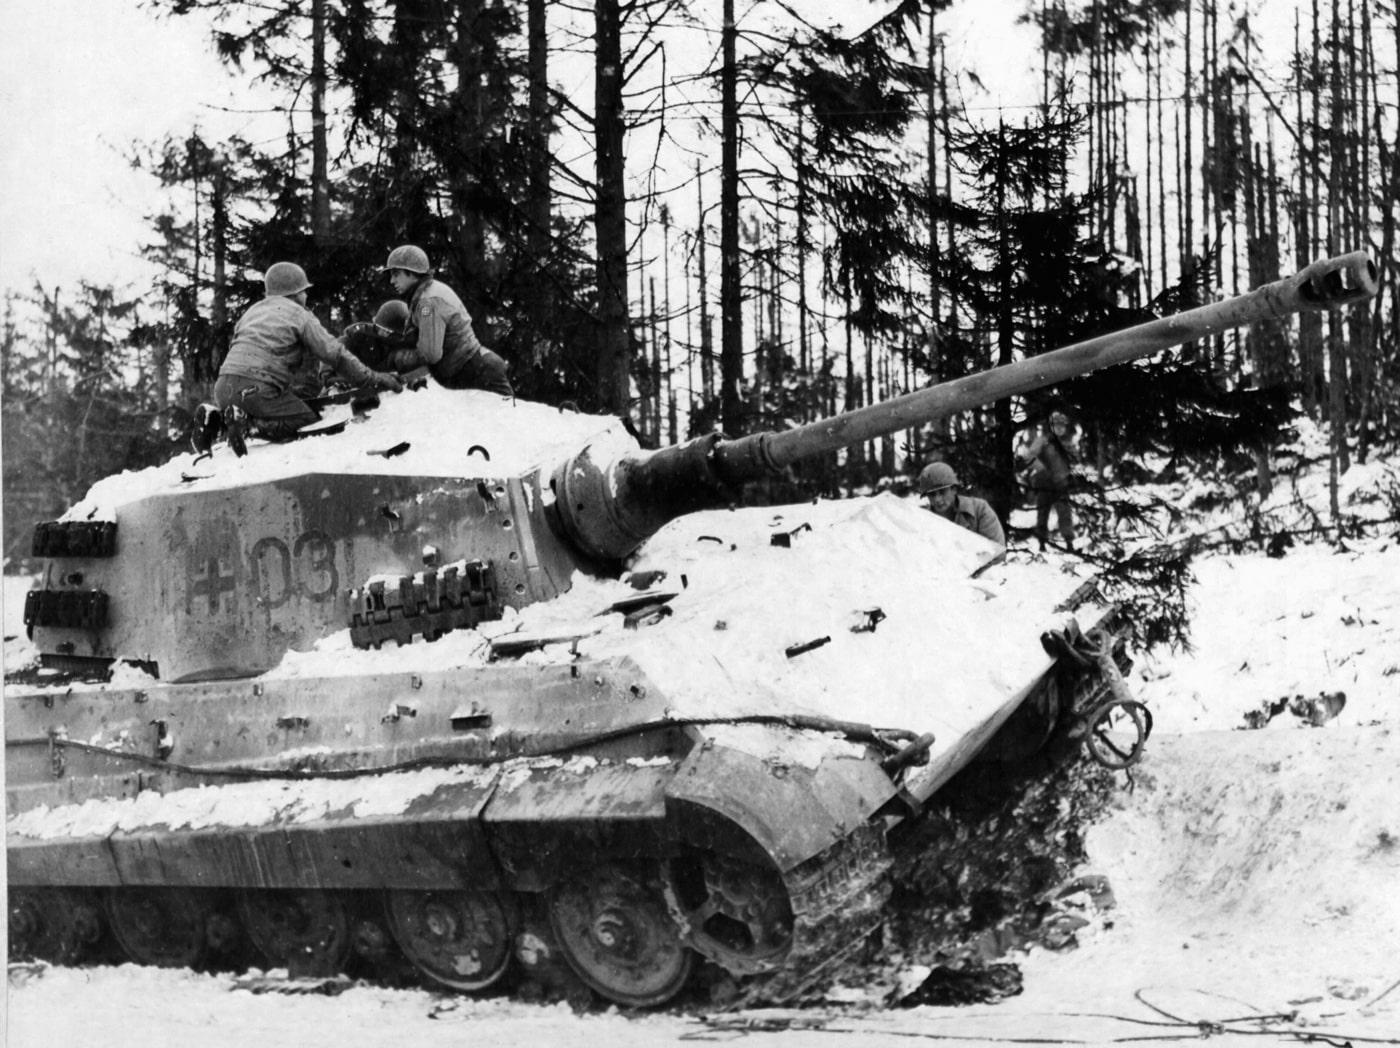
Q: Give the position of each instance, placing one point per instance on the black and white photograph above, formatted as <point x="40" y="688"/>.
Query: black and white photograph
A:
<point x="638" y="522"/>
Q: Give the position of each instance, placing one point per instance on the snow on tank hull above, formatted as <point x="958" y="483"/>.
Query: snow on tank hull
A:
<point x="615" y="779"/>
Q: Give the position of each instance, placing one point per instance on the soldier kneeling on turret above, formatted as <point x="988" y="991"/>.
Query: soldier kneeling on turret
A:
<point x="256" y="388"/>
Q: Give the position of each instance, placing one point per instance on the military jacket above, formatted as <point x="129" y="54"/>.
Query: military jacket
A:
<point x="271" y="340"/>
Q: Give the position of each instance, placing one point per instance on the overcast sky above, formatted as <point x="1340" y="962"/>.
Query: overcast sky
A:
<point x="80" y="80"/>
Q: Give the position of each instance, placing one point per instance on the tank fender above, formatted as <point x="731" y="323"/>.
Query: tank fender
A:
<point x="412" y="833"/>
<point x="792" y="810"/>
<point x="552" y="820"/>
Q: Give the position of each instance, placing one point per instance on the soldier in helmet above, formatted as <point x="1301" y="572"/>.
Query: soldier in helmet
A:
<point x="375" y="340"/>
<point x="270" y="342"/>
<point x="441" y="329"/>
<point x="939" y="484"/>
<point x="1049" y="458"/>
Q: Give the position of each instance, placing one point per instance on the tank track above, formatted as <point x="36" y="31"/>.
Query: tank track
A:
<point x="836" y="903"/>
<point x="838" y="900"/>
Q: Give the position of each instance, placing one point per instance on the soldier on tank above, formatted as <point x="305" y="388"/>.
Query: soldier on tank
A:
<point x="373" y="341"/>
<point x="255" y="388"/>
<point x="440" y="329"/>
<point x="939" y="484"/>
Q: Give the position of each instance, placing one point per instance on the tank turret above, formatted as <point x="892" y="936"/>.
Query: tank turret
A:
<point x="622" y="729"/>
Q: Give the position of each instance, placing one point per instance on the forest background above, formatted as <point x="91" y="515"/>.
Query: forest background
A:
<point x="750" y="218"/>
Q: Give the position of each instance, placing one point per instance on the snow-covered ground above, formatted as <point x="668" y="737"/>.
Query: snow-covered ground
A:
<point x="1256" y="873"/>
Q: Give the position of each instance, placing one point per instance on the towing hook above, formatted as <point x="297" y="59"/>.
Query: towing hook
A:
<point x="915" y="753"/>
<point x="1099" y="727"/>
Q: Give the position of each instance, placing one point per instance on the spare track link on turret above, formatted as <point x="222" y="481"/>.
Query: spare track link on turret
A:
<point x="75" y="538"/>
<point x="67" y="609"/>
<point x="461" y="595"/>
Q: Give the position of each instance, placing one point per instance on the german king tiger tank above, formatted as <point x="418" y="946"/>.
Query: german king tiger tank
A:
<point x="617" y="728"/>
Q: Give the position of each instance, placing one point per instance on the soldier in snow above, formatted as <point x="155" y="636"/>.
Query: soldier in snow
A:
<point x="939" y="484"/>
<point x="1049" y="458"/>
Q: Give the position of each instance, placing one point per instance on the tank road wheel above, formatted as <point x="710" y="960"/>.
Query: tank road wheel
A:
<point x="306" y="932"/>
<point x="737" y="914"/>
<point x="456" y="938"/>
<point x="616" y="933"/>
<point x="58" y="925"/>
<point x="161" y="927"/>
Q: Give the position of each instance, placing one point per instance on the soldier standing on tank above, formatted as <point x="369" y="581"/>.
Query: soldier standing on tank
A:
<point x="1050" y="457"/>
<point x="270" y="342"/>
<point x="440" y="329"/>
<point x="939" y="484"/>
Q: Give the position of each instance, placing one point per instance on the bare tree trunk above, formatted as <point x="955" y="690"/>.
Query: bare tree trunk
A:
<point x="540" y="202"/>
<point x="1161" y="166"/>
<point x="1336" y="341"/>
<point x="1188" y="191"/>
<point x="935" y="291"/>
<point x="667" y="364"/>
<point x="469" y="126"/>
<point x="855" y="452"/>
<point x="1359" y="189"/>
<point x="320" y="180"/>
<point x="1388" y="161"/>
<point x="218" y="316"/>
<point x="1006" y="349"/>
<point x="804" y="347"/>
<point x="1147" y="153"/>
<point x="610" y="213"/>
<point x="1309" y="324"/>
<point x="657" y="396"/>
<point x="707" y="342"/>
<point x="204" y="368"/>
<point x="730" y="293"/>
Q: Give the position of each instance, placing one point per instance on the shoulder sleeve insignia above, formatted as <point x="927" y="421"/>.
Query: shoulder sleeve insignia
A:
<point x="426" y="310"/>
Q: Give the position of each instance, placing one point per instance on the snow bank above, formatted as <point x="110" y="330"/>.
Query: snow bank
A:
<point x="1267" y="630"/>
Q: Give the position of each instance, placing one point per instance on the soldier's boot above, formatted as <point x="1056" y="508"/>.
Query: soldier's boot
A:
<point x="236" y="428"/>
<point x="208" y="424"/>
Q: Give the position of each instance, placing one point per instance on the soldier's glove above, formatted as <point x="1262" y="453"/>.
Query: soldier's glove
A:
<point x="387" y="381"/>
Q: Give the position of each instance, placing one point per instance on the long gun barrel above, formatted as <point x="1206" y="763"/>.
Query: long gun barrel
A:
<point x="609" y="509"/>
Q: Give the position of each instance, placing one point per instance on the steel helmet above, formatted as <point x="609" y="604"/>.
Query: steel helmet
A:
<point x="937" y="475"/>
<point x="392" y="315"/>
<point x="1058" y="416"/>
<point x="285" y="278"/>
<point x="413" y="259"/>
